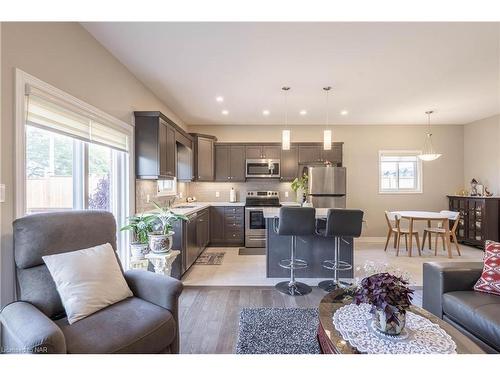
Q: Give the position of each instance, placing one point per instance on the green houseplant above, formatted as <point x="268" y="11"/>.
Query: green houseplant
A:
<point x="300" y="187"/>
<point x="160" y="240"/>
<point x="139" y="226"/>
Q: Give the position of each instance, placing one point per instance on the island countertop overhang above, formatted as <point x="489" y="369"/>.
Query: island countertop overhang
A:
<point x="272" y="212"/>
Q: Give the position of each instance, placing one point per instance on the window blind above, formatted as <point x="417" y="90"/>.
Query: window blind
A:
<point x="46" y="112"/>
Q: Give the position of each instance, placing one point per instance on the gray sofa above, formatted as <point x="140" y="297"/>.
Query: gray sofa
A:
<point x="448" y="293"/>
<point x="36" y="323"/>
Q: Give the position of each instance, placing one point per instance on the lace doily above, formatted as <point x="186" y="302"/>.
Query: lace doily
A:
<point x="420" y="335"/>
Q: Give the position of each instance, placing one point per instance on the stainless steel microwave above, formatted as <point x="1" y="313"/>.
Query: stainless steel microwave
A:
<point x="263" y="168"/>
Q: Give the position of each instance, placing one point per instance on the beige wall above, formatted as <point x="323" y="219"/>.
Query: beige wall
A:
<point x="482" y="153"/>
<point x="66" y="56"/>
<point x="361" y="146"/>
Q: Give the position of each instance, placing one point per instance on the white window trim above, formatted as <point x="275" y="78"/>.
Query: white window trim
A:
<point x="22" y="79"/>
<point x="420" y="172"/>
<point x="167" y="193"/>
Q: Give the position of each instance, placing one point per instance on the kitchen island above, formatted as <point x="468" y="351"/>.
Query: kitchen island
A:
<point x="313" y="249"/>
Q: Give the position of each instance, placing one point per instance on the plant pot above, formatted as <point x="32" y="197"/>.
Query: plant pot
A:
<point x="138" y="250"/>
<point x="389" y="328"/>
<point x="160" y="243"/>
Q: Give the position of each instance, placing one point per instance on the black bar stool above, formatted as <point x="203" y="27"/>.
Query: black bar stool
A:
<point x="339" y="223"/>
<point x="294" y="221"/>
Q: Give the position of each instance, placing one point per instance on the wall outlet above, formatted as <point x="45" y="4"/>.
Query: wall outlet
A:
<point x="180" y="195"/>
<point x="148" y="198"/>
<point x="2" y="193"/>
<point x="286" y="194"/>
<point x="217" y="194"/>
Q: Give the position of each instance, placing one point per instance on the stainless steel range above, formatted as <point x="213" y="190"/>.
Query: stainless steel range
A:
<point x="255" y="224"/>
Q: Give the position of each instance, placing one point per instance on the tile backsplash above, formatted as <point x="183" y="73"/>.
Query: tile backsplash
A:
<point x="143" y="188"/>
<point x="207" y="191"/>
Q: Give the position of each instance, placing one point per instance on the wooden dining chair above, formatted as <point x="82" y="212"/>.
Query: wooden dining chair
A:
<point x="440" y="232"/>
<point x="394" y="227"/>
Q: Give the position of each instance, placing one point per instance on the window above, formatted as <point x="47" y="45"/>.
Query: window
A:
<point x="400" y="172"/>
<point x="167" y="187"/>
<point x="75" y="156"/>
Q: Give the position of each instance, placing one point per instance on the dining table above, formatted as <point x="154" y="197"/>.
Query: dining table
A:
<point x="428" y="216"/>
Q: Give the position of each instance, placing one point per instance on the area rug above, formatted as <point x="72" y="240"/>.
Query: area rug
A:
<point x="210" y="259"/>
<point x="252" y="251"/>
<point x="278" y="331"/>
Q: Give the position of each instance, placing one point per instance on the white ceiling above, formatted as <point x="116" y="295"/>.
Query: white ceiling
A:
<point x="382" y="73"/>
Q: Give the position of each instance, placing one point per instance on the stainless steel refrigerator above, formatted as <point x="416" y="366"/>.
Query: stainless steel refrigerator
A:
<point x="327" y="186"/>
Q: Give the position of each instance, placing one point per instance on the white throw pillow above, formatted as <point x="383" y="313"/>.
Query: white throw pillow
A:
<point x="87" y="280"/>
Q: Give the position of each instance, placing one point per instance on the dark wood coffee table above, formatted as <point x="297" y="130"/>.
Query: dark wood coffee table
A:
<point x="331" y="340"/>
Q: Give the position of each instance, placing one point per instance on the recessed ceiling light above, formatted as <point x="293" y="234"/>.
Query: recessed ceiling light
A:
<point x="303" y="112"/>
<point x="266" y="112"/>
<point x="225" y="112"/>
<point x="344" y="112"/>
<point x="219" y="99"/>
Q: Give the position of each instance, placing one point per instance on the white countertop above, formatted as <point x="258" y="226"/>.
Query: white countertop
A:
<point x="198" y="206"/>
<point x="270" y="212"/>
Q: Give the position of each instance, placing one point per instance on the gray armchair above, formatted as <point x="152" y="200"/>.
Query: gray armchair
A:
<point x="449" y="294"/>
<point x="144" y="323"/>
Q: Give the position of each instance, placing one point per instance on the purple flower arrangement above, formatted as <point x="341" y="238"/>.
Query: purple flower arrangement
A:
<point x="386" y="293"/>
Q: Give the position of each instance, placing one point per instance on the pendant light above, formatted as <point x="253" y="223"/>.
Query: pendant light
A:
<point x="285" y="134"/>
<point x="327" y="134"/>
<point x="429" y="154"/>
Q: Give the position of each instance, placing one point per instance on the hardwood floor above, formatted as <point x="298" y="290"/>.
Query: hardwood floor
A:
<point x="209" y="315"/>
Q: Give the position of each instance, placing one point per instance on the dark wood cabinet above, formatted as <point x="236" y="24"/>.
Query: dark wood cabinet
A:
<point x="289" y="164"/>
<point x="171" y="150"/>
<point x="237" y="164"/>
<point x="478" y="219"/>
<point x="229" y="162"/>
<point x="203" y="230"/>
<point x="154" y="148"/>
<point x="216" y="225"/>
<point x="191" y="238"/>
<point x="263" y="151"/>
<point x="253" y="152"/>
<point x="312" y="153"/>
<point x="334" y="155"/>
<point x="227" y="226"/>
<point x="309" y="153"/>
<point x="156" y="139"/>
<point x="204" y="157"/>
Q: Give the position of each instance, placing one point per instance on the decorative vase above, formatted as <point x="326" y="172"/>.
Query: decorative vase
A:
<point x="389" y="328"/>
<point x="299" y="196"/>
<point x="160" y="243"/>
<point x="138" y="250"/>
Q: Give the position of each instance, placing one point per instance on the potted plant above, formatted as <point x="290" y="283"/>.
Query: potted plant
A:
<point x="389" y="297"/>
<point x="140" y="226"/>
<point x="300" y="187"/>
<point x="160" y="241"/>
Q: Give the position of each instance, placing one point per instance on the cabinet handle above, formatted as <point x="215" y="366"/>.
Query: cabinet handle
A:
<point x="228" y="177"/>
<point x="199" y="176"/>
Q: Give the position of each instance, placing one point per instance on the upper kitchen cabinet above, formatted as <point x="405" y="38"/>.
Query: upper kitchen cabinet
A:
<point x="204" y="157"/>
<point x="314" y="153"/>
<point x="309" y="153"/>
<point x="263" y="151"/>
<point x="229" y="162"/>
<point x="334" y="155"/>
<point x="289" y="164"/>
<point x="162" y="148"/>
<point x="155" y="150"/>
